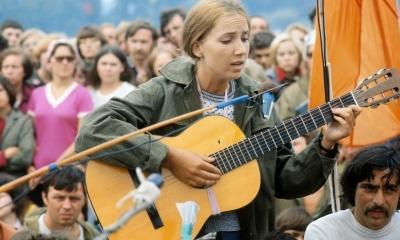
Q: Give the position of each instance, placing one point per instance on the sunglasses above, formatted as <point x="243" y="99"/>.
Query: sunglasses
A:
<point x="62" y="58"/>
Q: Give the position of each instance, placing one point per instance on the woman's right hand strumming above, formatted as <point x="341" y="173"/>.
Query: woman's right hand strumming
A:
<point x="192" y="169"/>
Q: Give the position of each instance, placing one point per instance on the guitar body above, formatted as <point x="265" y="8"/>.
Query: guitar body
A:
<point x="106" y="184"/>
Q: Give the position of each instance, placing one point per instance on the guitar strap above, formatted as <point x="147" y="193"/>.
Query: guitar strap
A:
<point x="152" y="211"/>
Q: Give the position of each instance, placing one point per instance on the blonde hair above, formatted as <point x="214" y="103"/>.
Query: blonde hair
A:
<point x="154" y="55"/>
<point x="300" y="48"/>
<point x="122" y="28"/>
<point x="297" y="26"/>
<point x="202" y="18"/>
<point x="31" y="32"/>
<point x="42" y="46"/>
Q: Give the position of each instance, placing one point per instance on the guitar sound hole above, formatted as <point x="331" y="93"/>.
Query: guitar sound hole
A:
<point x="219" y="141"/>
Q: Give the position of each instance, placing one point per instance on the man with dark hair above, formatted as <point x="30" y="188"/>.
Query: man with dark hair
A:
<point x="371" y="183"/>
<point x="171" y="25"/>
<point x="12" y="30"/>
<point x="141" y="38"/>
<point x="64" y="197"/>
<point x="260" y="49"/>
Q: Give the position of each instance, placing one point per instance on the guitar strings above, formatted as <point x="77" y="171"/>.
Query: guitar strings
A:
<point x="225" y="163"/>
<point x="254" y="150"/>
<point x="306" y="119"/>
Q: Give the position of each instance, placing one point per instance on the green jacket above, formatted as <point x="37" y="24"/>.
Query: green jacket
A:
<point x="174" y="93"/>
<point x="293" y="98"/>
<point x="31" y="222"/>
<point x="18" y="132"/>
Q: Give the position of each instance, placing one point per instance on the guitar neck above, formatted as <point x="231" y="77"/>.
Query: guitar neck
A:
<point x="250" y="148"/>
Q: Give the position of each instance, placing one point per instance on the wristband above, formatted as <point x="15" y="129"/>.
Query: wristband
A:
<point x="327" y="152"/>
<point x="324" y="149"/>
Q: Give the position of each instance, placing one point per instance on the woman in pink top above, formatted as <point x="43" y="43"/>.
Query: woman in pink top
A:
<point x="59" y="106"/>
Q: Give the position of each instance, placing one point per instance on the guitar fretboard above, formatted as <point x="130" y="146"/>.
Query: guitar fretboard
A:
<point x="250" y="148"/>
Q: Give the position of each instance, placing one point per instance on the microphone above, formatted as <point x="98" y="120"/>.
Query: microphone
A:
<point x="157" y="179"/>
<point x="147" y="192"/>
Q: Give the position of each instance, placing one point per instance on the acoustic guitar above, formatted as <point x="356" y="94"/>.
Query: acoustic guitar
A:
<point x="220" y="138"/>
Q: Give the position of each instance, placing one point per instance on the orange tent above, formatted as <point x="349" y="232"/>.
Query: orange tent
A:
<point x="362" y="37"/>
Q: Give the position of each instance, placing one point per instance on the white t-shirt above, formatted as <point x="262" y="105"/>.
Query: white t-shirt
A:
<point x="43" y="229"/>
<point x="100" y="99"/>
<point x="343" y="226"/>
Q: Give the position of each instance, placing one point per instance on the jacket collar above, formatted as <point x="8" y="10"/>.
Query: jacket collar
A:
<point x="180" y="70"/>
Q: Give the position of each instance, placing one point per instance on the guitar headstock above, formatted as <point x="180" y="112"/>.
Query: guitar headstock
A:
<point x="381" y="87"/>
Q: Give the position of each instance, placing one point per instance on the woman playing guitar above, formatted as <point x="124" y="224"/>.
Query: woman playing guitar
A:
<point x="216" y="39"/>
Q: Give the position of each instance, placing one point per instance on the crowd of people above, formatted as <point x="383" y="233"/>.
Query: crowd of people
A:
<point x="63" y="94"/>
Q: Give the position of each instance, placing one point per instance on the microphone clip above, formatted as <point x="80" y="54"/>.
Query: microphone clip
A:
<point x="146" y="193"/>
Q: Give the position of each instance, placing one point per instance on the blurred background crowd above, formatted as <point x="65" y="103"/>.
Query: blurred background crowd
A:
<point x="52" y="76"/>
